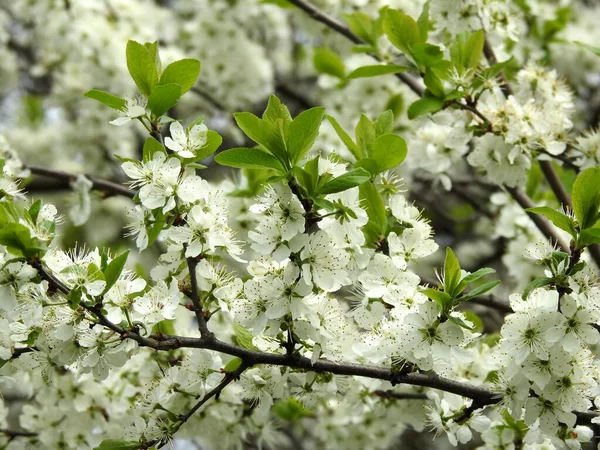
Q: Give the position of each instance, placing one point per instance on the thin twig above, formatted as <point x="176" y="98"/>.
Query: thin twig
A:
<point x="342" y="29"/>
<point x="66" y="178"/>
<point x="195" y="297"/>
<point x="401" y="395"/>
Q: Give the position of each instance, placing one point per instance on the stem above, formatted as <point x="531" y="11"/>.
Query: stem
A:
<point x="195" y="297"/>
<point x="66" y="178"/>
<point x="342" y="29"/>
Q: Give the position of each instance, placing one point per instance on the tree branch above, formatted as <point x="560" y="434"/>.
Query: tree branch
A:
<point x="342" y="29"/>
<point x="66" y="178"/>
<point x="195" y="297"/>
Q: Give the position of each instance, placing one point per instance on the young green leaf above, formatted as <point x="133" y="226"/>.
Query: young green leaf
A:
<point x="434" y="84"/>
<point x="328" y="62"/>
<point x="152" y="146"/>
<point x="480" y="290"/>
<point x="251" y="158"/>
<point x="276" y="110"/>
<point x="303" y="131"/>
<point x="388" y="151"/>
<point x="213" y="141"/>
<point x="423" y="106"/>
<point x="586" y="197"/>
<point x="443" y="300"/>
<point x="559" y="219"/>
<point x="345" y="137"/>
<point x="115" y="444"/>
<point x="363" y="26"/>
<point x="588" y="237"/>
<point x="378" y="70"/>
<point x="538" y="282"/>
<point x="589" y="47"/>
<point x="467" y="49"/>
<point x="423" y="22"/>
<point x="183" y="72"/>
<point x="112" y="101"/>
<point x="163" y="98"/>
<point x="371" y="200"/>
<point x="17" y="239"/>
<point x="243" y="337"/>
<point x="452" y="272"/>
<point x="141" y="66"/>
<point x="473" y="277"/>
<point x="365" y="134"/>
<point x="384" y="124"/>
<point x="114" y="269"/>
<point x="402" y="30"/>
<point x="353" y="178"/>
<point x="270" y="135"/>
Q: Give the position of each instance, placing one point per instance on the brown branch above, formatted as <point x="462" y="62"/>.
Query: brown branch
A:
<point x="195" y="297"/>
<point x="541" y="222"/>
<point x="342" y="29"/>
<point x="66" y="178"/>
<point x="400" y="395"/>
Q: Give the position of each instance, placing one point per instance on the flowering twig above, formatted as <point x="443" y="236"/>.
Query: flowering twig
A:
<point x="66" y="178"/>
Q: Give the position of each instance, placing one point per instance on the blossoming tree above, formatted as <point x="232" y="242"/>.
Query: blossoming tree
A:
<point x="275" y="289"/>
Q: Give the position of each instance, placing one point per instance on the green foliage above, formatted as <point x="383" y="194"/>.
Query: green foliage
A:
<point x="345" y="137"/>
<point x="114" y="269"/>
<point x="367" y="29"/>
<point x="372" y="202"/>
<point x="423" y="106"/>
<point x="388" y="151"/>
<point x="248" y="158"/>
<point x="112" y="101"/>
<point x="163" y="98"/>
<point x="559" y="219"/>
<point x="328" y="62"/>
<point x="290" y="410"/>
<point x="454" y="284"/>
<point x="303" y="131"/>
<point x="586" y="197"/>
<point x="348" y="180"/>
<point x="152" y="146"/>
<point x="184" y="73"/>
<point x="377" y="70"/>
<point x="17" y="239"/>
<point x="466" y="50"/>
<point x="243" y="337"/>
<point x="142" y="67"/>
<point x="402" y="30"/>
<point x="115" y="444"/>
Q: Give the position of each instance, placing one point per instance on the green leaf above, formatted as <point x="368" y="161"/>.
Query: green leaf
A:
<point x="152" y="48"/>
<point x="74" y="298"/>
<point x="243" y="337"/>
<point x="591" y="48"/>
<point x="402" y="30"/>
<point x="378" y="70"/>
<point x="434" y="84"/>
<point x="451" y="272"/>
<point x="17" y="239"/>
<point x="114" y="444"/>
<point x="365" y="134"/>
<point x="538" y="282"/>
<point x="384" y="123"/>
<point x="251" y="158"/>
<point x="461" y="323"/>
<point x="427" y="55"/>
<point x="34" y="210"/>
<point x="163" y="98"/>
<point x="588" y="237"/>
<point x="233" y="365"/>
<point x="473" y="277"/>
<point x="586" y="197"/>
<point x="290" y="410"/>
<point x="479" y="290"/>
<point x="559" y="219"/>
<point x="345" y="137"/>
<point x="267" y="134"/>
<point x="372" y="202"/>
<point x="114" y="270"/>
<point x="423" y="22"/>
<point x="388" y="151"/>
<point x="157" y="227"/>
<point x="276" y="110"/>
<point x="152" y="146"/>
<point x="467" y="49"/>
<point x="183" y="72"/>
<point x="112" y="101"/>
<point x="303" y="131"/>
<point x="363" y="26"/>
<point x="328" y="62"/>
<point x="443" y="300"/>
<point x="142" y="67"/>
<point x="368" y="164"/>
<point x="213" y="142"/>
<point x="424" y="106"/>
<point x="353" y="178"/>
